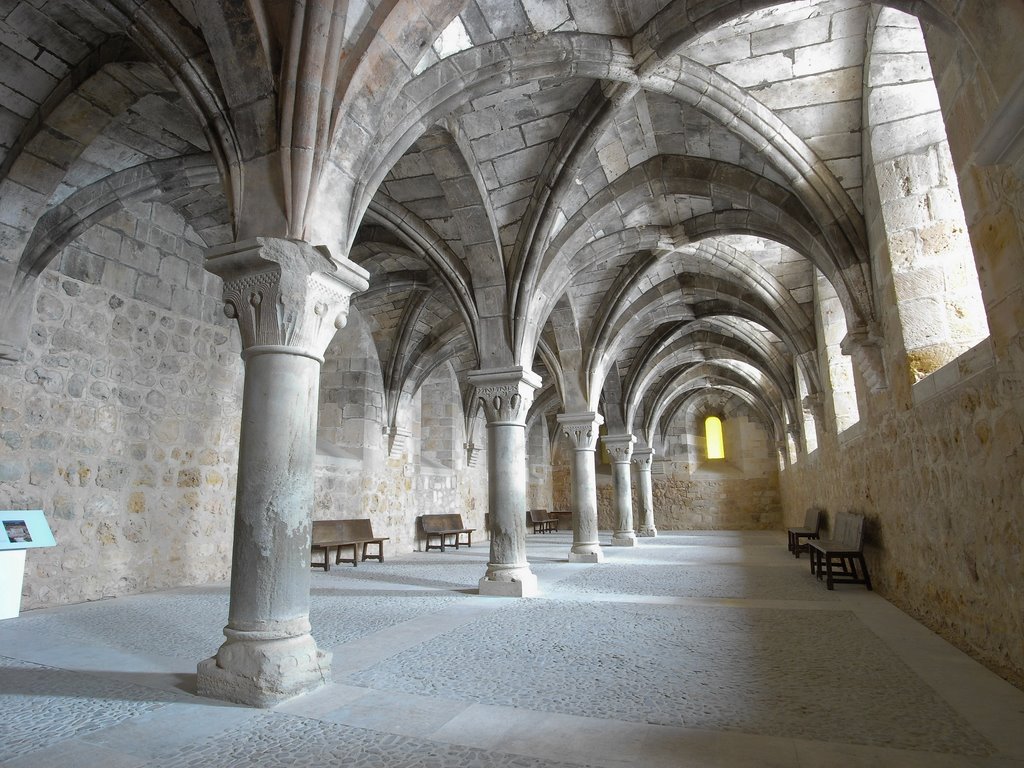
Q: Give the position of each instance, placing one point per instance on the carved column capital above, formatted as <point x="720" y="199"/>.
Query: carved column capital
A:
<point x="643" y="458"/>
<point x="581" y="429"/>
<point x="287" y="295"/>
<point x="620" y="447"/>
<point x="505" y="393"/>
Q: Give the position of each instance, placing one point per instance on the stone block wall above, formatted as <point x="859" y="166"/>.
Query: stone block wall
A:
<point x="442" y="431"/>
<point x="121" y="421"/>
<point x="538" y="467"/>
<point x="395" y="492"/>
<point x="429" y="474"/>
<point x="351" y="392"/>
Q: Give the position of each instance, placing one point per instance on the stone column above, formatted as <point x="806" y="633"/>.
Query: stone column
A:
<point x="643" y="458"/>
<point x="581" y="429"/>
<point x="506" y="395"/>
<point x="621" y="449"/>
<point x="289" y="298"/>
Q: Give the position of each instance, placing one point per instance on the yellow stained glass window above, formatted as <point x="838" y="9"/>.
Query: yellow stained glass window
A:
<point x="713" y="435"/>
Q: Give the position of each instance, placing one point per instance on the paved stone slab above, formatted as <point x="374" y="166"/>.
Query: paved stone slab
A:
<point x="289" y="741"/>
<point x="41" y="706"/>
<point x="702" y="667"/>
<point x="716" y="581"/>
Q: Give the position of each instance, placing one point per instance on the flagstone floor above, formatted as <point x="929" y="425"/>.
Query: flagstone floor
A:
<point x="691" y="649"/>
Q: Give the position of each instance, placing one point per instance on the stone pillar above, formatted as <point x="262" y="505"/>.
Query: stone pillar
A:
<point x="581" y="429"/>
<point x="506" y="395"/>
<point x="289" y="298"/>
<point x="621" y="449"/>
<point x="643" y="458"/>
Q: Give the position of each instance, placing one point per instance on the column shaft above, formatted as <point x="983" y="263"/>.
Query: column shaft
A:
<point x="581" y="429"/>
<point x="275" y="494"/>
<point x="269" y="654"/>
<point x="620" y="447"/>
<point x="644" y="459"/>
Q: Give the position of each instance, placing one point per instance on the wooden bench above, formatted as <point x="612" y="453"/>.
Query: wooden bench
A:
<point x="338" y="534"/>
<point x="844" y="550"/>
<point x="448" y="529"/>
<point x="541" y="521"/>
<point x="811" y="530"/>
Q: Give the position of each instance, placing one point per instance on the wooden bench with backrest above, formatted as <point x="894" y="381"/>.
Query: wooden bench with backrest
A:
<point x="339" y="534"/>
<point x="811" y="530"/>
<point x="542" y="521"/>
<point x="844" y="550"/>
<point x="449" y="530"/>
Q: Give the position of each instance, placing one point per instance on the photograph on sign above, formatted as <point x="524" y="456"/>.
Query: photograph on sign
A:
<point x="17" y="532"/>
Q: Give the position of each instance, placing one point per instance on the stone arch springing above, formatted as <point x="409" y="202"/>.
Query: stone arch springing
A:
<point x="842" y="408"/>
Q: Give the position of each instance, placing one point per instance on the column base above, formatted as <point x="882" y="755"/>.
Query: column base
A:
<point x="647" y="532"/>
<point x="525" y="585"/>
<point x="263" y="672"/>
<point x="591" y="554"/>
<point x="624" y="539"/>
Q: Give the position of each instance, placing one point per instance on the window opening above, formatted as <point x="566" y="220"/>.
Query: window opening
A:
<point x="713" y="437"/>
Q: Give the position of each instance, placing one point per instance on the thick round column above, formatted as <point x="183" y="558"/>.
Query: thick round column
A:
<point x="620" y="447"/>
<point x="643" y="458"/>
<point x="269" y="653"/>
<point x="289" y="299"/>
<point x="506" y="395"/>
<point x="582" y="429"/>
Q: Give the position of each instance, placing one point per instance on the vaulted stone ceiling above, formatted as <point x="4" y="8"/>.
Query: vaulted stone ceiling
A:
<point x="650" y="235"/>
<point x="632" y="198"/>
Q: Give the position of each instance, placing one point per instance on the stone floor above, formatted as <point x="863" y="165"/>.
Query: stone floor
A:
<point x="695" y="649"/>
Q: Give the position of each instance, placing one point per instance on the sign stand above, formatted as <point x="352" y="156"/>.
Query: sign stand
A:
<point x="12" y="574"/>
<point x="20" y="529"/>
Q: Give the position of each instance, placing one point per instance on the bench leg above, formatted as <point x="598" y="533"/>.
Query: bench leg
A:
<point x="326" y="564"/>
<point x="338" y="559"/>
<point x="828" y="569"/>
<point x="864" y="567"/>
<point x="379" y="557"/>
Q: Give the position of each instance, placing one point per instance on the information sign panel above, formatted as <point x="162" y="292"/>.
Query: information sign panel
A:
<point x="24" y="529"/>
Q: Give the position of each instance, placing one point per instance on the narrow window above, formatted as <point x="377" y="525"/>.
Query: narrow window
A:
<point x="713" y="436"/>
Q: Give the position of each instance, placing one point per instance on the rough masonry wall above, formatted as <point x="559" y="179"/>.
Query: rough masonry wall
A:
<point x="742" y="494"/>
<point x="942" y="486"/>
<point x="121" y="422"/>
<point x="684" y="502"/>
